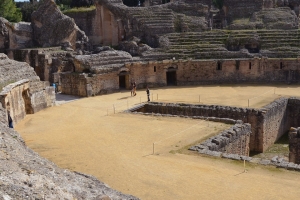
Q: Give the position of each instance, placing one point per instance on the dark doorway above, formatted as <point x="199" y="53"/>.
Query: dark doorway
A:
<point x="122" y="81"/>
<point x="171" y="78"/>
<point x="133" y="3"/>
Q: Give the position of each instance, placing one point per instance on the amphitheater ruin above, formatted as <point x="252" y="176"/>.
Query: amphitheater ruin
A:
<point x="179" y="45"/>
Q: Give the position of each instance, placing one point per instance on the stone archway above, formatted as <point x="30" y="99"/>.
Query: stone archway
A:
<point x="124" y="80"/>
<point x="171" y="76"/>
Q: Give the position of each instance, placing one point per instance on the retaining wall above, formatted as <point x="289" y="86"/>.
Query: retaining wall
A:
<point x="233" y="141"/>
<point x="294" y="145"/>
<point x="267" y="124"/>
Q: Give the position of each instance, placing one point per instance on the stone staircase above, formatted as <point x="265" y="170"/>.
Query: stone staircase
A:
<point x="213" y="44"/>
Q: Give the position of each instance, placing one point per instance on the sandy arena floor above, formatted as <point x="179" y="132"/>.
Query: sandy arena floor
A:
<point x="117" y="148"/>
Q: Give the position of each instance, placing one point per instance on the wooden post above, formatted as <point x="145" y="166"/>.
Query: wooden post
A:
<point x="153" y="149"/>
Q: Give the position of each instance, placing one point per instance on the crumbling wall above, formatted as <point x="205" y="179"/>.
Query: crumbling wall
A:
<point x="89" y="22"/>
<point x="294" y="145"/>
<point x="74" y="84"/>
<point x="267" y="124"/>
<point x="235" y="9"/>
<point x="12" y="99"/>
<point x="232" y="141"/>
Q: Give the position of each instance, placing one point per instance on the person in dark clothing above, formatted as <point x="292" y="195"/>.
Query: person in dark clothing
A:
<point x="10" y="121"/>
<point x="131" y="91"/>
<point x="148" y="93"/>
<point x="134" y="88"/>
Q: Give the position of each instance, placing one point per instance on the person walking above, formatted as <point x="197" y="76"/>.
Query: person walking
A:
<point x="148" y="93"/>
<point x="131" y="89"/>
<point x="134" y="88"/>
<point x="10" y="121"/>
<point x="55" y="87"/>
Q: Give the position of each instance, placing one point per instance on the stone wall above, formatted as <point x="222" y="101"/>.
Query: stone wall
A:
<point x="235" y="9"/>
<point x="276" y="121"/>
<point x="89" y="23"/>
<point x="294" y="145"/>
<point x="24" y="97"/>
<point x="233" y="141"/>
<point x="14" y="98"/>
<point x="73" y="84"/>
<point x="23" y="92"/>
<point x="267" y="124"/>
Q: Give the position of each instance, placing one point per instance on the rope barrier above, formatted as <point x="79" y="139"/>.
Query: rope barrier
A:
<point x="260" y="96"/>
<point x="178" y="133"/>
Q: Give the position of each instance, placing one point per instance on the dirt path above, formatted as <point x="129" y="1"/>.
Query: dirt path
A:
<point x="117" y="148"/>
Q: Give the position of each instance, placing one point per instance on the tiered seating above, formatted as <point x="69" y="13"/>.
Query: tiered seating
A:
<point x="105" y="61"/>
<point x="212" y="44"/>
<point x="12" y="71"/>
<point x="154" y="19"/>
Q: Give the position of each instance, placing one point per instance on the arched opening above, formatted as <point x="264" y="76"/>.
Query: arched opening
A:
<point x="281" y="65"/>
<point x="252" y="48"/>
<point x="133" y="3"/>
<point x="237" y="64"/>
<point x="171" y="76"/>
<point x="154" y="68"/>
<point x="250" y="65"/>
<point x="27" y="102"/>
<point x="123" y="80"/>
<point x="219" y="66"/>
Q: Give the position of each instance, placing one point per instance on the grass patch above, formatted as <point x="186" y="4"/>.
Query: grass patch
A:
<point x="80" y="10"/>
<point x="2" y="85"/>
<point x="279" y="148"/>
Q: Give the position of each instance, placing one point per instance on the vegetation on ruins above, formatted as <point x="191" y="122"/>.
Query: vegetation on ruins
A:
<point x="9" y="11"/>
<point x="79" y="9"/>
<point x="218" y="3"/>
<point x="27" y="8"/>
<point x="81" y="3"/>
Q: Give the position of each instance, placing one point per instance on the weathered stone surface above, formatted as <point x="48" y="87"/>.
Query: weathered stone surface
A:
<point x="52" y="28"/>
<point x="14" y="35"/>
<point x="24" y="174"/>
<point x="103" y="62"/>
<point x="4" y="35"/>
<point x="134" y="47"/>
<point x="22" y="92"/>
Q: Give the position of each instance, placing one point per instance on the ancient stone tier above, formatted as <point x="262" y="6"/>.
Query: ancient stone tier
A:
<point x="103" y="62"/>
<point x="12" y="71"/>
<point x="232" y="44"/>
<point x="52" y="28"/>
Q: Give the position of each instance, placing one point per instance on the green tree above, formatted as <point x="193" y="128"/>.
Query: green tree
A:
<point x="218" y="3"/>
<point x="9" y="11"/>
<point x="27" y="9"/>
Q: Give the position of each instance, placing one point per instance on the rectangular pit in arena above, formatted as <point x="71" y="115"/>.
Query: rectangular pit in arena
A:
<point x="253" y="130"/>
